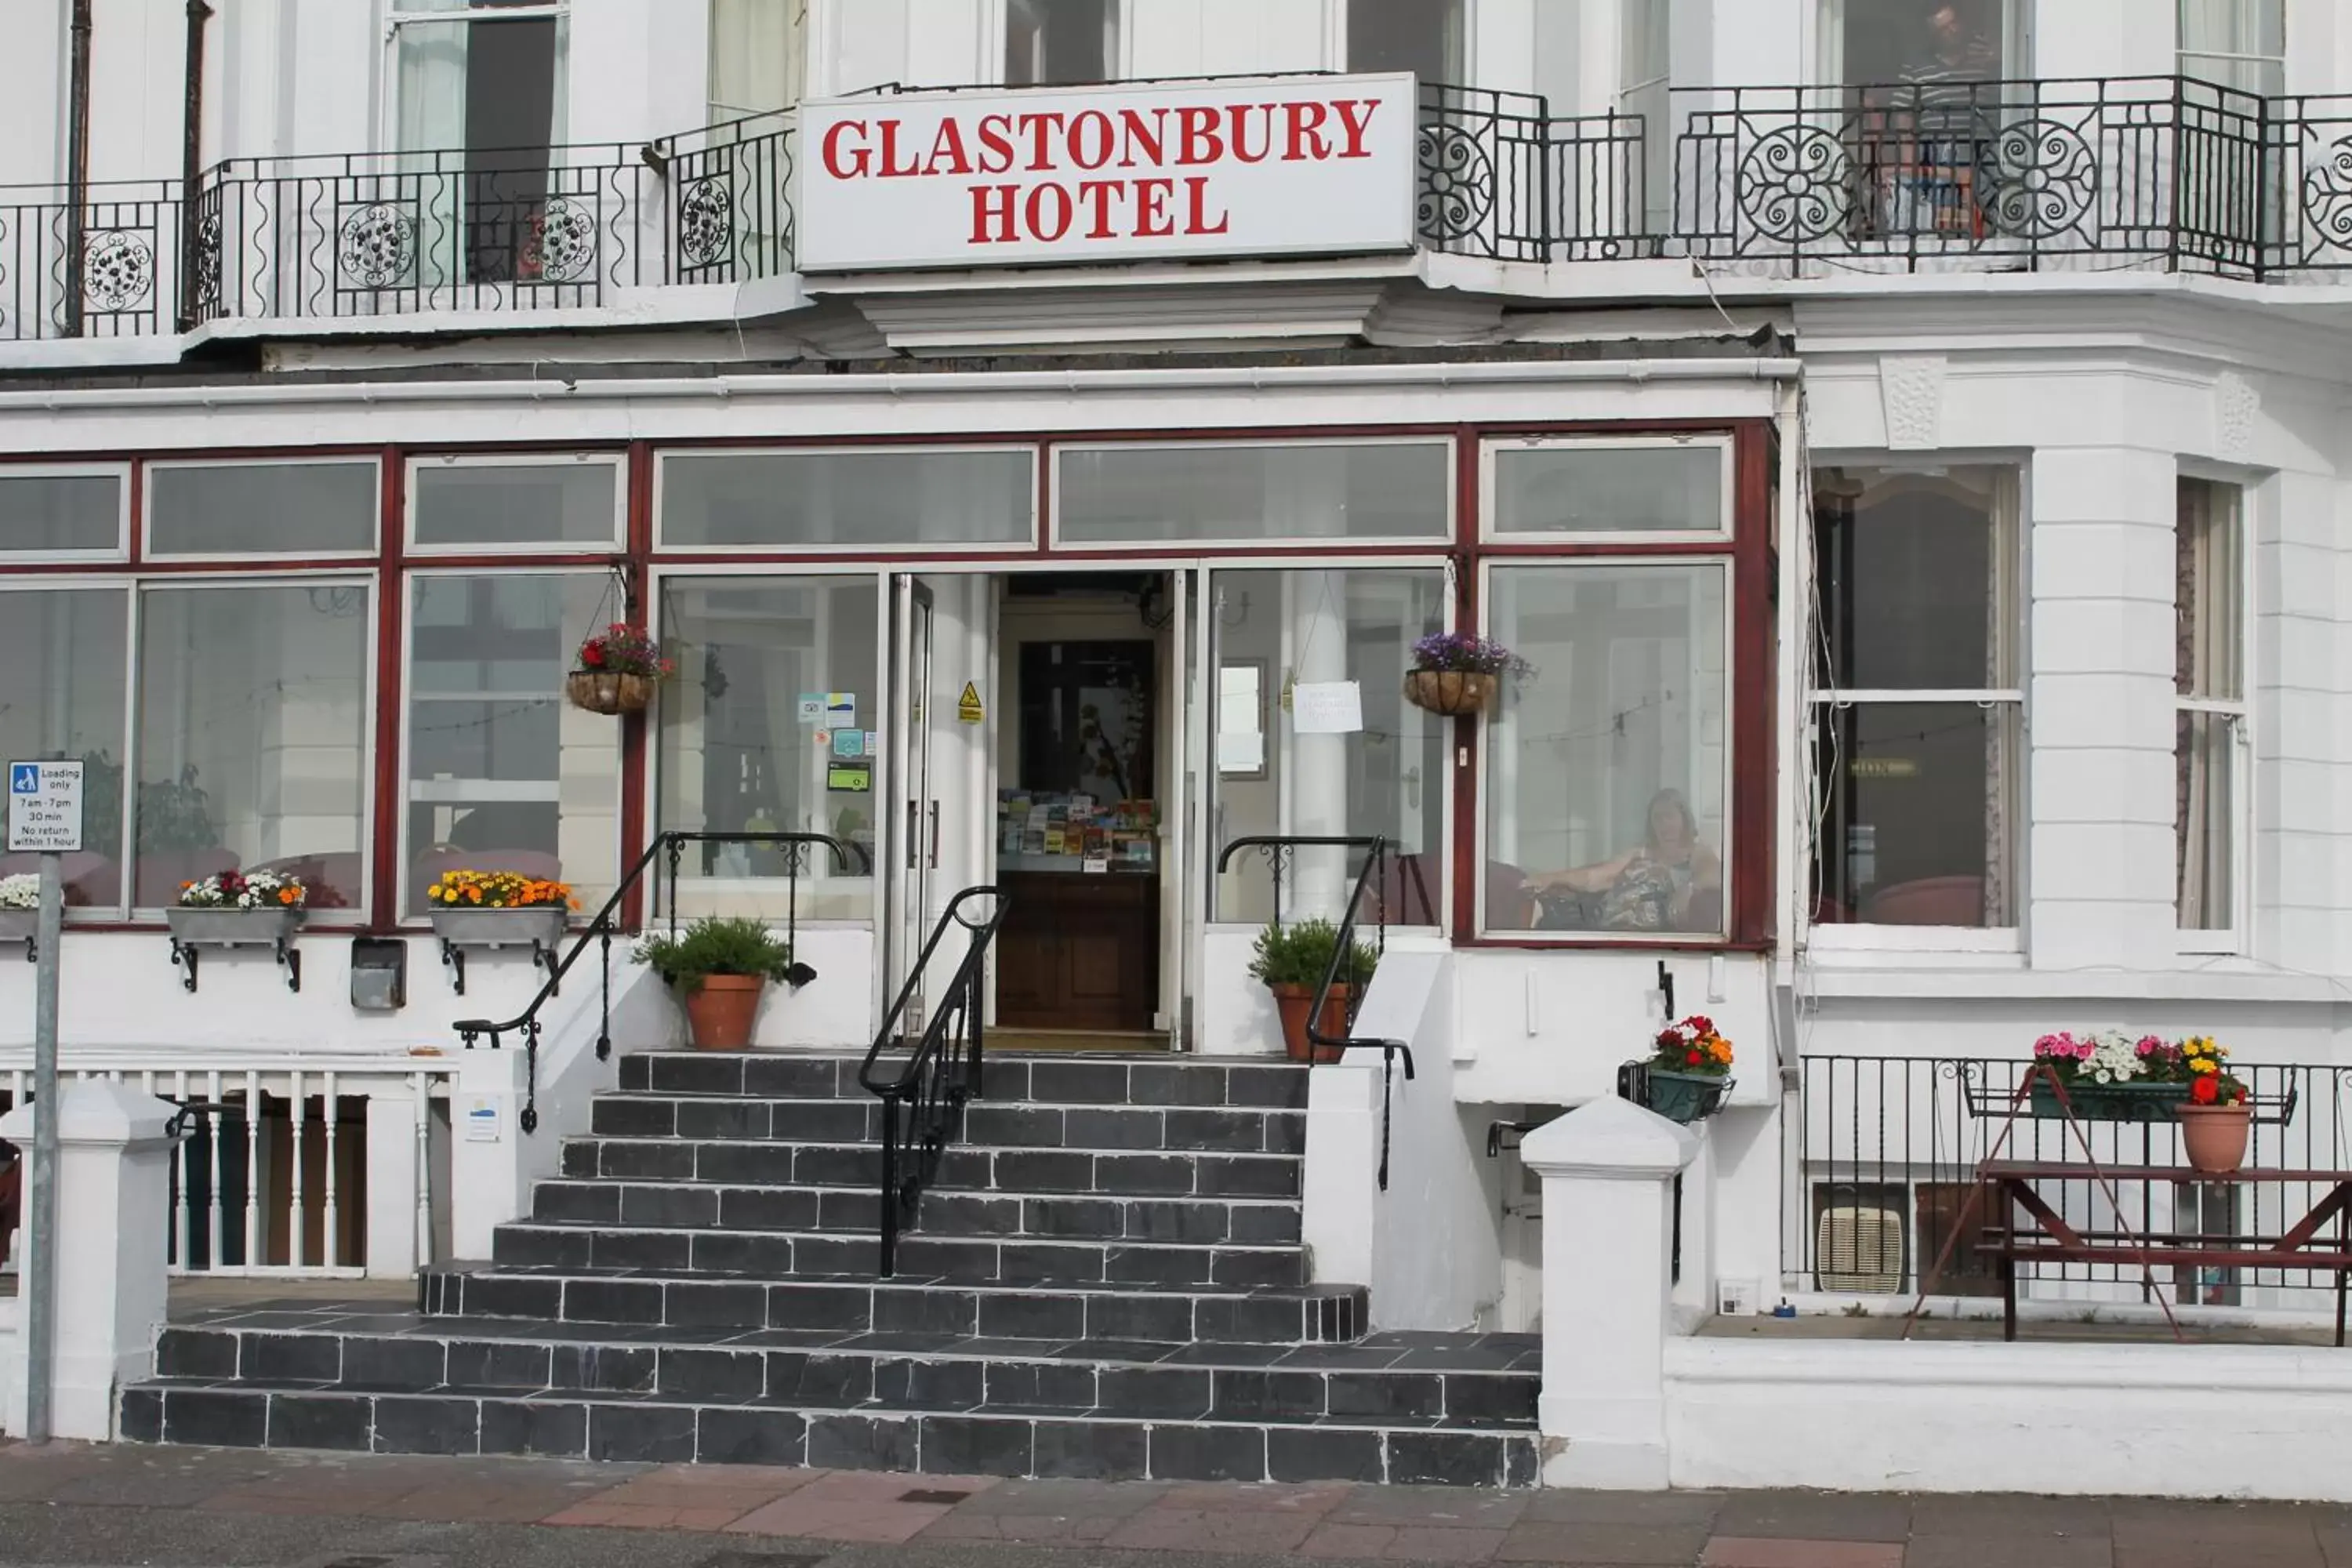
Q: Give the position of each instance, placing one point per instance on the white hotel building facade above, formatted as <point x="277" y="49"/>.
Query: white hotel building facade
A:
<point x="1909" y="439"/>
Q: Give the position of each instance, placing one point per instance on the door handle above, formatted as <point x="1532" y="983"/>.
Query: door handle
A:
<point x="914" y="826"/>
<point x="935" y="835"/>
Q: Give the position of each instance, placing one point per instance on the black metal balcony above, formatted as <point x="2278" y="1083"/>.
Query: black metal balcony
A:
<point x="1501" y="177"/>
<point x="105" y="266"/>
<point x="731" y="199"/>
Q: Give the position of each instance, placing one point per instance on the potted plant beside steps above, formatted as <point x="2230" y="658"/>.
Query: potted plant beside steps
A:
<point x="720" y="969"/>
<point x="1292" y="961"/>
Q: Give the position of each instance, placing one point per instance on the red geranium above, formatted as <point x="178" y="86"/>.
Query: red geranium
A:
<point x="2204" y="1091"/>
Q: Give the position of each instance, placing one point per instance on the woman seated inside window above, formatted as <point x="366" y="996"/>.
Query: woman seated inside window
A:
<point x="1668" y="882"/>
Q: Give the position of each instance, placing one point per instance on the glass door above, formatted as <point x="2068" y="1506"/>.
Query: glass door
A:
<point x="914" y="816"/>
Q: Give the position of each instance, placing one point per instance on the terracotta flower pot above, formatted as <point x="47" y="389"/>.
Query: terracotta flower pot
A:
<point x="1293" y="1003"/>
<point x="719" y="1011"/>
<point x="1449" y="692"/>
<point x="2213" y="1137"/>
<point x="602" y="691"/>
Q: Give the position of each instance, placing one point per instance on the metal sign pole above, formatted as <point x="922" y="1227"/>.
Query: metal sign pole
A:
<point x="41" y="1192"/>
<point x="45" y="818"/>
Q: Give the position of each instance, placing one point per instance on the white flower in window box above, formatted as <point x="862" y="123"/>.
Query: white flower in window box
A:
<point x="230" y="908"/>
<point x="20" y="907"/>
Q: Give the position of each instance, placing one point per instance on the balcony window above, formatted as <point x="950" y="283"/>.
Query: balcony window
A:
<point x="1915" y="718"/>
<point x="2236" y="43"/>
<point x="63" y="653"/>
<point x="1423" y="37"/>
<point x="1930" y="47"/>
<point x="1060" y="42"/>
<point x="758" y="57"/>
<point x="1607" y="765"/>
<point x="255" y="715"/>
<point x="2210" y="793"/>
<point x="480" y="94"/>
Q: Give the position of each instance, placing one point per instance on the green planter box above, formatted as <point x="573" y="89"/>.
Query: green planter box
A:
<point x="1684" y="1097"/>
<point x="2113" y="1101"/>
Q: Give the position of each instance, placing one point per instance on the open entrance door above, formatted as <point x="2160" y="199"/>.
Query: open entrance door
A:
<point x="914" y="809"/>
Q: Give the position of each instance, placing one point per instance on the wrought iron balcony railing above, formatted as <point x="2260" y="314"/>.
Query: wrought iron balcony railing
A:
<point x="2158" y="172"/>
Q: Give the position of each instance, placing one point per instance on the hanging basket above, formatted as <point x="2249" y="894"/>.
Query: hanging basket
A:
<point x="1449" y="692"/>
<point x="599" y="691"/>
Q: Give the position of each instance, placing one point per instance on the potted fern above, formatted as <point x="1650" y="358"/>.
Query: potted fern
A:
<point x="1292" y="961"/>
<point x="720" y="969"/>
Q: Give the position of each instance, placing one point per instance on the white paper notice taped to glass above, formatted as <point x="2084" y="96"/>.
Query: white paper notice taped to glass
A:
<point x="1327" y="707"/>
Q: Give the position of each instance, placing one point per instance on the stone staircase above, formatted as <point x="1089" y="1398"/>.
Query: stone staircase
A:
<point x="1106" y="1281"/>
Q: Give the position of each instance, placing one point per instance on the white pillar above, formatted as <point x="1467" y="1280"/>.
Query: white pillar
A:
<point x="115" y="1212"/>
<point x="392" y="1173"/>
<point x="486" y="1165"/>
<point x="1608" y="1170"/>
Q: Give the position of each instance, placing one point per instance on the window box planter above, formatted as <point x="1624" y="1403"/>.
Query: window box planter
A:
<point x="1684" y="1097"/>
<point x="21" y="925"/>
<point x="1452" y="693"/>
<point x="2112" y="1102"/>
<point x="192" y="929"/>
<point x="539" y="927"/>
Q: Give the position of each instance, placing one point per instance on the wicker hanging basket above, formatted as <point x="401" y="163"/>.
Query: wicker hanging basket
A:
<point x="600" y="691"/>
<point x="1449" y="692"/>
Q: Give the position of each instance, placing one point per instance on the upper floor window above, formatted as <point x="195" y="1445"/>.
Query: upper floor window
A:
<point x="2210" y="706"/>
<point x="1925" y="43"/>
<point x="1423" y="37"/>
<point x="1645" y="78"/>
<point x="2238" y="43"/>
<point x="758" y="57"/>
<point x="480" y="77"/>
<point x="1060" y="42"/>
<point x="1917" y="699"/>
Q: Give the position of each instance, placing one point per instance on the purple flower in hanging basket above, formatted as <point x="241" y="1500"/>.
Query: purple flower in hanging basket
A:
<point x="1471" y="655"/>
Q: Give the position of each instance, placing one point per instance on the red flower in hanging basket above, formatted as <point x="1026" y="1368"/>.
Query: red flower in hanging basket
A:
<point x="624" y="650"/>
<point x="592" y="654"/>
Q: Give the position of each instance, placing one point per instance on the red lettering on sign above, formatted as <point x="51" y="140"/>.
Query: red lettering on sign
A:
<point x="1151" y="220"/>
<point x="855" y="168"/>
<point x="1037" y="125"/>
<point x="1306" y="141"/>
<point x="1197" y="140"/>
<point x="1150" y="136"/>
<point x="1050" y="212"/>
<point x="1098" y="194"/>
<point x="1357" y="123"/>
<point x="1241" y="114"/>
<point x="947" y="156"/>
<point x="891" y="167"/>
<point x="991" y="207"/>
<point x="1091" y="139"/>
<point x="1196" y="205"/>
<point x="996" y="143"/>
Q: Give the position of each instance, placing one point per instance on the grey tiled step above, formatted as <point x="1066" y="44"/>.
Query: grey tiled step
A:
<point x="1048" y="1079"/>
<point x="993" y="1122"/>
<point x="859" y="1303"/>
<point x="780" y="1254"/>
<point x="634" y="1427"/>
<point x="1117" y="1172"/>
<point x="688" y="1204"/>
<point x="926" y="1371"/>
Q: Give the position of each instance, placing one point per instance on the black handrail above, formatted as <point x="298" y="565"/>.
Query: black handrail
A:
<point x="922" y="1103"/>
<point x="1281" y="850"/>
<point x="605" y="925"/>
<point x="1347" y="1038"/>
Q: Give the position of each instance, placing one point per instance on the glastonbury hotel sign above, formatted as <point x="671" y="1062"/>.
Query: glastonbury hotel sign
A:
<point x="1304" y="166"/>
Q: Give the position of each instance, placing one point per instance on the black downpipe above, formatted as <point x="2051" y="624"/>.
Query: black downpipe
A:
<point x="77" y="163"/>
<point x="192" y="159"/>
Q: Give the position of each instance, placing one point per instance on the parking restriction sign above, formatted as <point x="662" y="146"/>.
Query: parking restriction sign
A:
<point x="44" y="808"/>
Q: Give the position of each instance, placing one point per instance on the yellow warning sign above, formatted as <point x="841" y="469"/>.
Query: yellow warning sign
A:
<point x="967" y="708"/>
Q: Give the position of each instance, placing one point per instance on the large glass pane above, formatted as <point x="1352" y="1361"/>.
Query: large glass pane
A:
<point x="503" y="774"/>
<point x="62" y="695"/>
<point x="2209" y="654"/>
<point x="757" y="56"/>
<point x="1060" y="42"/>
<point x="848" y="500"/>
<point x="1137" y="494"/>
<point x="1606" y="764"/>
<point x="1920" y="818"/>
<point x="739" y="755"/>
<point x="254" y="714"/>
<point x="1423" y="37"/>
<point x="54" y="513"/>
<point x="1274" y="632"/>
<point x="286" y="509"/>
<point x="1917" y="577"/>
<point x="1597" y="489"/>
<point x="2237" y="43"/>
<point x="2206" y="814"/>
<point x="1923" y="43"/>
<point x="567" y="502"/>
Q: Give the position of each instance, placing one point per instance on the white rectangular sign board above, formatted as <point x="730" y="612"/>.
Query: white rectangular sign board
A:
<point x="1318" y="165"/>
<point x="44" y="808"/>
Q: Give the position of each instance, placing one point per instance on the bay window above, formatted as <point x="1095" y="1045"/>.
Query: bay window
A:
<point x="1608" y="761"/>
<point x="1916" y="703"/>
<point x="2210" y="706"/>
<point x="502" y="774"/>
<point x="64" y="647"/>
<point x="1253" y="492"/>
<point x="254" y="717"/>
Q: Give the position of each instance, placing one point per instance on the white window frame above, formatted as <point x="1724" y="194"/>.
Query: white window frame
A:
<point x="2185" y="58"/>
<point x="174" y="557"/>
<point x="127" y="587"/>
<point x="1272" y="542"/>
<point x="1482" y="850"/>
<point x="1341" y="33"/>
<point x="996" y="23"/>
<point x="403" y="855"/>
<point x="370" y="697"/>
<point x="397" y="16"/>
<point x="1028" y="543"/>
<point x="615" y="539"/>
<point x="119" y="472"/>
<point x="2239" y="712"/>
<point x="1492" y="449"/>
<point x="1858" y="936"/>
